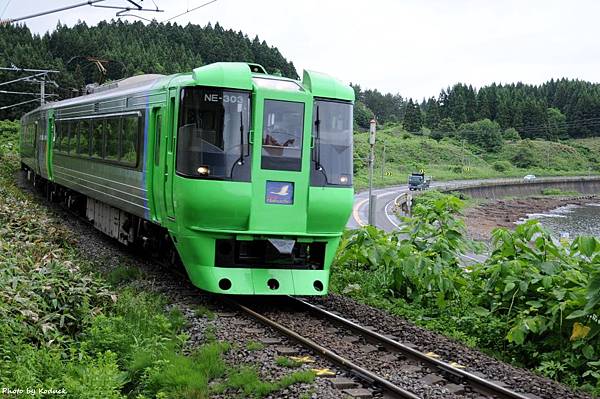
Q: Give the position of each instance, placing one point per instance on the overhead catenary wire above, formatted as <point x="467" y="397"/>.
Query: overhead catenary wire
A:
<point x="21" y="103"/>
<point x="93" y="3"/>
<point x="39" y="14"/>
<point x="188" y="11"/>
<point x="4" y="9"/>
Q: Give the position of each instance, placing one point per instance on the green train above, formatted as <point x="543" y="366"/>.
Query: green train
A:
<point x="242" y="176"/>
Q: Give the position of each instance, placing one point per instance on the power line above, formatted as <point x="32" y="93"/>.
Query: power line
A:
<point x="24" y="93"/>
<point x="35" y="76"/>
<point x="21" y="103"/>
<point x="17" y="69"/>
<point x="39" y="14"/>
<point x="92" y="3"/>
<point x="5" y="7"/>
<point x="188" y="11"/>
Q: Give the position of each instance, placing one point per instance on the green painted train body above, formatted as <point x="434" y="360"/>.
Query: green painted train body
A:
<point x="249" y="175"/>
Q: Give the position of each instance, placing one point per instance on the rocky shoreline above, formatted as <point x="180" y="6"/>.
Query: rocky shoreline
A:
<point x="481" y="219"/>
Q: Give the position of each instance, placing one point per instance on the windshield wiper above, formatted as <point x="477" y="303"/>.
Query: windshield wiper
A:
<point x="241" y="161"/>
<point x="318" y="142"/>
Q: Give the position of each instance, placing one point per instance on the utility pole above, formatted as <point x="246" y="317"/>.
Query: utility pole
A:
<point x="35" y="76"/>
<point x="383" y="163"/>
<point x="42" y="92"/>
<point x="372" y="131"/>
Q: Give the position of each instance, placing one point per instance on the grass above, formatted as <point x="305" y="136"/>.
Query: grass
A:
<point x="249" y="383"/>
<point x="448" y="159"/>
<point x="559" y="192"/>
<point x="287" y="362"/>
<point x="123" y="274"/>
<point x="254" y="346"/>
<point x="203" y="311"/>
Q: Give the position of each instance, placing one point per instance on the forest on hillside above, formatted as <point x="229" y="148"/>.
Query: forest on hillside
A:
<point x="556" y="110"/>
<point x="129" y="48"/>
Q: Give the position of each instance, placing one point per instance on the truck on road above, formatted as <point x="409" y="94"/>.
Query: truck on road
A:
<point x="418" y="181"/>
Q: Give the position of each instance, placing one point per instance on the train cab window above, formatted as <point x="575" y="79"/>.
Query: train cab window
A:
<point x="113" y="132"/>
<point x="83" y="132"/>
<point x="332" y="153"/>
<point x="98" y="137"/>
<point x="283" y="124"/>
<point x="212" y="139"/>
<point x="129" y="140"/>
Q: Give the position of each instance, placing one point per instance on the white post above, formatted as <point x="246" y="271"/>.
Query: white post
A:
<point x="372" y="131"/>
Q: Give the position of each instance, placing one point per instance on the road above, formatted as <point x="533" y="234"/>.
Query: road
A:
<point x="384" y="217"/>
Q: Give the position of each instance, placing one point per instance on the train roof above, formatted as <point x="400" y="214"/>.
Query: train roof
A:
<point x="235" y="75"/>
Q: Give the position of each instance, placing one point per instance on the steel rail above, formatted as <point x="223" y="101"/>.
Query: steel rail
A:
<point x="365" y="374"/>
<point x="470" y="378"/>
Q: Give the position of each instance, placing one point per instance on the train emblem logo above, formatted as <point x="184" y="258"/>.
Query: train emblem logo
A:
<point x="279" y="192"/>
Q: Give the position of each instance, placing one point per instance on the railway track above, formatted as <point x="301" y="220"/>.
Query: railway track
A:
<point x="389" y="368"/>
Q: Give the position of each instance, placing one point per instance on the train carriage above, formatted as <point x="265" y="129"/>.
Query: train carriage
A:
<point x="244" y="176"/>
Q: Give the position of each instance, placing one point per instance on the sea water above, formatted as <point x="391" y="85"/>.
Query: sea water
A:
<point x="572" y="220"/>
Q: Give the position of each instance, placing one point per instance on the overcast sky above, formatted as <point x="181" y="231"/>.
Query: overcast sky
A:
<point x="410" y="47"/>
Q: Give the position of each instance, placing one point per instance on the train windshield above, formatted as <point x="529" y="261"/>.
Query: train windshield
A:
<point x="283" y="124"/>
<point x="332" y="151"/>
<point x="213" y="132"/>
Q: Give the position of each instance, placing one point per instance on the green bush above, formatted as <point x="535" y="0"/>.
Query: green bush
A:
<point x="501" y="166"/>
<point x="511" y="134"/>
<point x="534" y="301"/>
<point x="485" y="134"/>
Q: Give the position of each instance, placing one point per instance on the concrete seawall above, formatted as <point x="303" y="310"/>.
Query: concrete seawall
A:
<point x="521" y="188"/>
<point x="502" y="188"/>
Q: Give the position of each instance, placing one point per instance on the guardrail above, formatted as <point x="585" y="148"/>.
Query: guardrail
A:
<point x="403" y="201"/>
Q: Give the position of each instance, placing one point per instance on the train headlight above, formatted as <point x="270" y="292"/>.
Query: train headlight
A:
<point x="204" y="170"/>
<point x="343" y="179"/>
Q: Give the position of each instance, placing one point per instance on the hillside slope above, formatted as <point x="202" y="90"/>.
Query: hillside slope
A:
<point x="450" y="159"/>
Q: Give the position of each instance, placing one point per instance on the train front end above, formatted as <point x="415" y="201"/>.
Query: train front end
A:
<point x="263" y="184"/>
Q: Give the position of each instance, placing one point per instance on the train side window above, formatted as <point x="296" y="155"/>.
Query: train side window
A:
<point x="69" y="144"/>
<point x="66" y="127"/>
<point x="157" y="128"/>
<point x="84" y="137"/>
<point x="58" y="135"/>
<point x="71" y="141"/>
<point x="98" y="138"/>
<point x="129" y="140"/>
<point x="66" y="130"/>
<point x="113" y="130"/>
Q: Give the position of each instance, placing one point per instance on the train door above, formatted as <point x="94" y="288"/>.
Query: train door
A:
<point x="159" y="164"/>
<point x="50" y="144"/>
<point x="42" y="135"/>
<point x="171" y="137"/>
<point x="280" y="178"/>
